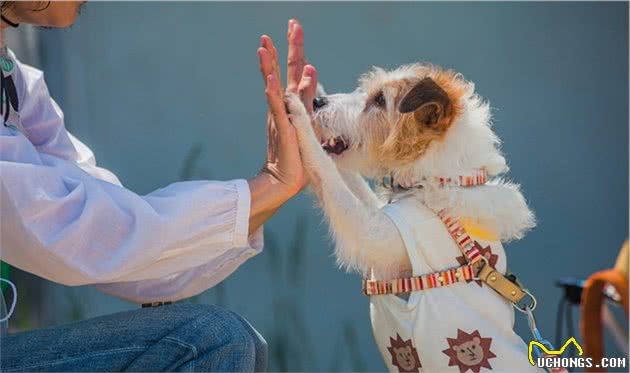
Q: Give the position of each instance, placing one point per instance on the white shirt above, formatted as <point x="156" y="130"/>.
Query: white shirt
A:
<point x="65" y="219"/>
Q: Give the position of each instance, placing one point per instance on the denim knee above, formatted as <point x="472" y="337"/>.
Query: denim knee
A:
<point x="260" y="345"/>
<point x="223" y="340"/>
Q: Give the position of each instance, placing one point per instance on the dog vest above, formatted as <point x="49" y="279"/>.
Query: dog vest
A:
<point x="458" y="323"/>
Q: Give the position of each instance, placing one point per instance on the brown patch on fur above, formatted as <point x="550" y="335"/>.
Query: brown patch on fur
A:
<point x="410" y="137"/>
<point x="379" y="131"/>
<point x="380" y="128"/>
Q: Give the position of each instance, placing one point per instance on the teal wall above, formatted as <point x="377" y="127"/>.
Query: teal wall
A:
<point x="170" y="91"/>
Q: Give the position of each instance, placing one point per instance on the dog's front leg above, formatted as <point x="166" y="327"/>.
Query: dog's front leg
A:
<point x="366" y="238"/>
<point x="360" y="188"/>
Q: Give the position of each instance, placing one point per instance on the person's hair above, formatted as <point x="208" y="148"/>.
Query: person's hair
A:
<point x="4" y="5"/>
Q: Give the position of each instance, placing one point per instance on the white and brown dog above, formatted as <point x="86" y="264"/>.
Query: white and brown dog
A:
<point x="426" y="129"/>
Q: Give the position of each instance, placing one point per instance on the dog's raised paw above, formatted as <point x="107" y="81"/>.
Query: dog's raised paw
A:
<point x="294" y="105"/>
<point x="296" y="110"/>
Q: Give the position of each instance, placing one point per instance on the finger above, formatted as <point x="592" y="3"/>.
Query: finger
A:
<point x="308" y="87"/>
<point x="290" y="26"/>
<point x="265" y="62"/>
<point x="267" y="43"/>
<point x="295" y="56"/>
<point x="275" y="99"/>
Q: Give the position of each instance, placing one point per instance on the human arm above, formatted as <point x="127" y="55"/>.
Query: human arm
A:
<point x="68" y="220"/>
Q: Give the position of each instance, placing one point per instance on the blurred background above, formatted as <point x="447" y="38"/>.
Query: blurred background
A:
<point x="171" y="91"/>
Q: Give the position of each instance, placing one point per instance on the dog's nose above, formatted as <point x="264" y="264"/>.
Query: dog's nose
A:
<point x="319" y="102"/>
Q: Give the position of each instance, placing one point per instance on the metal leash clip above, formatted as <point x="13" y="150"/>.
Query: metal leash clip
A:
<point x="531" y="321"/>
<point x="528" y="308"/>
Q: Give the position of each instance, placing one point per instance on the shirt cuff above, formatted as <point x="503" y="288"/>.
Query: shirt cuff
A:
<point x="243" y="205"/>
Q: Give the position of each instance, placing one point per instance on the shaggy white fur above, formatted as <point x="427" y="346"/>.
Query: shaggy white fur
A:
<point x="365" y="237"/>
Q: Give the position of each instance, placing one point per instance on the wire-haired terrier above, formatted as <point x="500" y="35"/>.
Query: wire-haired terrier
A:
<point x="429" y="243"/>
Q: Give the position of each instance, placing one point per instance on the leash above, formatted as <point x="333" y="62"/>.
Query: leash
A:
<point x="477" y="266"/>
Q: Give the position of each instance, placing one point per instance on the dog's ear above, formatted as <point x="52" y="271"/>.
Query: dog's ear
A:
<point x="428" y="101"/>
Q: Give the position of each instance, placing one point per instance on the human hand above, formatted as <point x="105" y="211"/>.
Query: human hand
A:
<point x="282" y="175"/>
<point x="283" y="160"/>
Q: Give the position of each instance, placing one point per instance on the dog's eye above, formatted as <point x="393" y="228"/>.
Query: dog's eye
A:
<point x="379" y="100"/>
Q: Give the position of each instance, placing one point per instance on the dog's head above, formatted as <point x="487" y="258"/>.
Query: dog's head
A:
<point x="418" y="119"/>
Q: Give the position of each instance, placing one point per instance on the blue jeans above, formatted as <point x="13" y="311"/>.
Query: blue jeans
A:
<point x="181" y="337"/>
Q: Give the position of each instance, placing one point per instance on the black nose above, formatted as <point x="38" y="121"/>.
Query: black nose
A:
<point x="319" y="102"/>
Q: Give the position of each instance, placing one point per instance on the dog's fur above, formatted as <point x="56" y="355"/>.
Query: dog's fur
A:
<point x="413" y="123"/>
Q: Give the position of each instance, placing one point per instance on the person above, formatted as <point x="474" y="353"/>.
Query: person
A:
<point x="68" y="220"/>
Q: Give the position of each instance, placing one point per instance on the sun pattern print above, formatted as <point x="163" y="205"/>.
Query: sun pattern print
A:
<point x="485" y="252"/>
<point x="469" y="351"/>
<point x="404" y="355"/>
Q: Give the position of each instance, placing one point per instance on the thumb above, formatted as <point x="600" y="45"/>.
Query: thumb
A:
<point x="308" y="86"/>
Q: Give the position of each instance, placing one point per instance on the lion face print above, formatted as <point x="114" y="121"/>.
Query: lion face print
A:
<point x="404" y="355"/>
<point x="469" y="351"/>
<point x="405" y="358"/>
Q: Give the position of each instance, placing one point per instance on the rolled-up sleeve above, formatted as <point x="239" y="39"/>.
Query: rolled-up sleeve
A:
<point x="67" y="220"/>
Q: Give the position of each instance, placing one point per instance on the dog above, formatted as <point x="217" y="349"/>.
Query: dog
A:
<point x="426" y="130"/>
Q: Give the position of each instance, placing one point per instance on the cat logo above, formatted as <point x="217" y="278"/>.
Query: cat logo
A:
<point x="547" y="352"/>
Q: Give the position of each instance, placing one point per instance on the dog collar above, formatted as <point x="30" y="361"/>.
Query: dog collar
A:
<point x="477" y="177"/>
